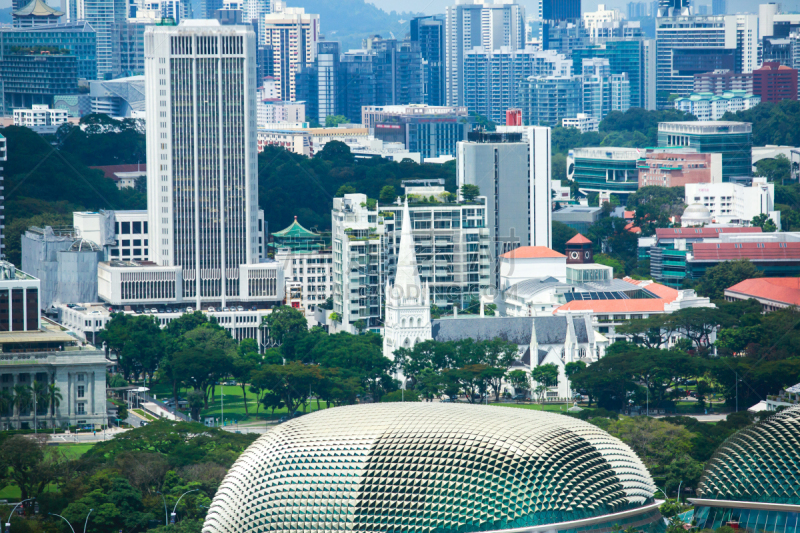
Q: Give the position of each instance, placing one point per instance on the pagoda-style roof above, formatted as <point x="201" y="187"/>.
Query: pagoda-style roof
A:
<point x="296" y="230"/>
<point x="37" y="8"/>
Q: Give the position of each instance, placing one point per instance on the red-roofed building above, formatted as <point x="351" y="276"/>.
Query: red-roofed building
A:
<point x="774" y="259"/>
<point x="579" y="250"/>
<point x="774" y="82"/>
<point x="123" y="175"/>
<point x="771" y="293"/>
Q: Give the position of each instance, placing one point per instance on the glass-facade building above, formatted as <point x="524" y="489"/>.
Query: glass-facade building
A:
<point x="752" y="481"/>
<point x="604" y="169"/>
<point x="27" y="82"/>
<point x="547" y="100"/>
<point x="77" y="37"/>
<point x="429" y="32"/>
<point x="734" y="140"/>
<point x="624" y="57"/>
<point x="103" y="15"/>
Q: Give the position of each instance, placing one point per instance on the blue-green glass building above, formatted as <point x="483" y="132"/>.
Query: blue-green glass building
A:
<point x="734" y="140"/>
<point x="604" y="169"/>
<point x="624" y="57"/>
<point x="77" y="37"/>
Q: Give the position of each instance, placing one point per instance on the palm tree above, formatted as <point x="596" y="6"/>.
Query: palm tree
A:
<point x="40" y="397"/>
<point x="55" y="400"/>
<point x="6" y="403"/>
<point x="22" y="400"/>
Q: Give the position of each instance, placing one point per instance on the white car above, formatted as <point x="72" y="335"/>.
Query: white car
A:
<point x="189" y="310"/>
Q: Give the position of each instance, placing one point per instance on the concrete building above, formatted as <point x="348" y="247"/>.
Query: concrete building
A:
<point x="604" y="92"/>
<point x="708" y="106"/>
<point x="548" y="100"/>
<point x="19" y="300"/>
<point x="357" y="261"/>
<point x="205" y="216"/>
<point x="604" y="169"/>
<point x="732" y="139"/>
<point x="3" y="157"/>
<point x="774" y="254"/>
<point x="77" y="37"/>
<point x="473" y="23"/>
<point x="27" y="82"/>
<point x="494" y="79"/>
<point x="678" y="168"/>
<point x="721" y="81"/>
<point x="297" y="141"/>
<point x="771" y="293"/>
<point x="429" y="131"/>
<point x="293" y="34"/>
<point x="582" y="122"/>
<point x="451" y="239"/>
<point x="625" y="56"/>
<point x="103" y="16"/>
<point x="774" y="82"/>
<point x="578" y="217"/>
<point x="273" y="112"/>
<point x="40" y="118"/>
<point x="122" y="97"/>
<point x="511" y="168"/>
<point x="732" y="203"/>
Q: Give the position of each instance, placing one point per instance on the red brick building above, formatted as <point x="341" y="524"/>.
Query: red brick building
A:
<point x="774" y="82"/>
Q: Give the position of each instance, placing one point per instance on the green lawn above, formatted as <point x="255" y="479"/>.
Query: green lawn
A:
<point x="143" y="414"/>
<point x="73" y="451"/>
<point x="552" y="407"/>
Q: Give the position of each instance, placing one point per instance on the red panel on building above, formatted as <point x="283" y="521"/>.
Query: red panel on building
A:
<point x="774" y="82"/>
<point x="513" y="117"/>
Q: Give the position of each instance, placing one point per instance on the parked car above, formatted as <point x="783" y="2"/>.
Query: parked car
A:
<point x="154" y="310"/>
<point x="520" y="397"/>
<point x="211" y="309"/>
<point x="190" y="310"/>
<point x="240" y="308"/>
<point x="226" y="309"/>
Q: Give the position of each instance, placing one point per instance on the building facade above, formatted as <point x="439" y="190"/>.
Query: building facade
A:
<point x="103" y="16"/>
<point x="40" y="118"/>
<point x="678" y="168"/>
<point x="430" y="131"/>
<point x="774" y="82"/>
<point x="77" y="37"/>
<point x="721" y="81"/>
<point x="293" y="34"/>
<point x="624" y="57"/>
<point x="708" y="106"/>
<point x="547" y="100"/>
<point x="27" y="82"/>
<point x="733" y="203"/>
<point x="429" y="32"/>
<point x="604" y="92"/>
<point x="731" y="139"/>
<point x="604" y="169"/>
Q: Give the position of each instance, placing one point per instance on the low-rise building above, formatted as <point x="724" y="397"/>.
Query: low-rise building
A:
<point x="733" y="203"/>
<point x="578" y="217"/>
<point x="771" y="293"/>
<point x="297" y="141"/>
<point x="775" y="255"/>
<point x="604" y="169"/>
<point x="709" y="106"/>
<point x="583" y="122"/>
<point x="722" y="80"/>
<point x="40" y="118"/>
<point x="677" y="167"/>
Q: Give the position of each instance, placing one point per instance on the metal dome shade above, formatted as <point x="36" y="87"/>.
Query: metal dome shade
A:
<point x="433" y="468"/>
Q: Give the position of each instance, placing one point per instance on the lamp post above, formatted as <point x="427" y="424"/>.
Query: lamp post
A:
<point x="62" y="518"/>
<point x="172" y="516"/>
<point x="166" y="522"/>
<point x="662" y="491"/>
<point x="86" y="522"/>
<point x="679" y="492"/>
<point x="8" y="522"/>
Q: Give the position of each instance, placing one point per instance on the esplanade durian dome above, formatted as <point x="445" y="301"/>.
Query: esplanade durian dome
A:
<point x="434" y="468"/>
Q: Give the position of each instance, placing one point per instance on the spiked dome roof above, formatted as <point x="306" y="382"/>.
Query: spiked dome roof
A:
<point x="428" y="468"/>
<point x="760" y="463"/>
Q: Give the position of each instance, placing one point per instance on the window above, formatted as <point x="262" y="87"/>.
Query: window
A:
<point x="81" y="408"/>
<point x="126" y="228"/>
<point x="81" y="391"/>
<point x="81" y="377"/>
<point x="137" y="227"/>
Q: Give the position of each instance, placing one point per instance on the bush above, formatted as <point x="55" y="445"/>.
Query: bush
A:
<point x="401" y="396"/>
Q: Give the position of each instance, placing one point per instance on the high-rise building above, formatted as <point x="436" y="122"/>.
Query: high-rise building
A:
<point x="30" y="78"/>
<point x="208" y="7"/>
<point x="547" y="100"/>
<point x="3" y="157"/>
<point x="624" y="57"/>
<point x="293" y="34"/>
<point x="429" y="131"/>
<point x="103" y="16"/>
<point x="512" y="170"/>
<point x="201" y="152"/>
<point x="673" y="8"/>
<point x="492" y="79"/>
<point x="557" y="10"/>
<point x="774" y="82"/>
<point x="719" y="7"/>
<point x="472" y="23"/>
<point x="129" y="45"/>
<point x="747" y="43"/>
<point x="721" y="81"/>
<point x="603" y="91"/>
<point x="648" y="94"/>
<point x="77" y="37"/>
<point x="637" y="10"/>
<point x="734" y="140"/>
<point x="689" y="45"/>
<point x="429" y="32"/>
<point x="328" y="81"/>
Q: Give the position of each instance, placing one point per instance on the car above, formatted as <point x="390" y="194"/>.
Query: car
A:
<point x="154" y="310"/>
<point x="520" y="397"/>
<point x="211" y="309"/>
<point x="189" y="310"/>
<point x="226" y="309"/>
<point x="240" y="308"/>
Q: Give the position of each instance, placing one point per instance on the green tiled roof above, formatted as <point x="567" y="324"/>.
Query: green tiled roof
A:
<point x="296" y="230"/>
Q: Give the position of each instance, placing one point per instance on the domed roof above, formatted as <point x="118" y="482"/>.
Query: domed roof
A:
<point x="83" y="245"/>
<point x="696" y="212"/>
<point x="422" y="467"/>
<point x="760" y="463"/>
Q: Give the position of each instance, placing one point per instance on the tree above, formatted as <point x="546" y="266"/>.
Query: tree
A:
<point x="287" y="326"/>
<point x="332" y="121"/>
<point x="360" y="325"/>
<point x="520" y="380"/>
<point x="7" y="405"/>
<point x="570" y="369"/>
<point x="499" y="355"/>
<point x="23" y="400"/>
<point x="55" y="398"/>
<point x="561" y="234"/>
<point x="196" y="400"/>
<point x="655" y="206"/>
<point x="617" y="265"/>
<point x="545" y="376"/>
<point x="725" y="275"/>
<point x="470" y="192"/>
<point x="207" y="357"/>
<point x="775" y="169"/>
<point x="292" y="382"/>
<point x="401" y="396"/>
<point x="653" y="331"/>
<point x="388" y="194"/>
<point x="764" y="222"/>
<point x="345" y="189"/>
<point x="23" y="463"/>
<point x="243" y="366"/>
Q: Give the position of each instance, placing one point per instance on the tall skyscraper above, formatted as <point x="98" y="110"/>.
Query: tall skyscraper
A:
<point x="429" y="32"/>
<point x="603" y="91"/>
<point x="103" y="15"/>
<point x="472" y="23"/>
<point x="201" y="153"/>
<point x="719" y="7"/>
<point x="624" y="56"/>
<point x="293" y="35"/>
<point x="670" y="8"/>
<point x="328" y="80"/>
<point x="558" y="10"/>
<point x="208" y="7"/>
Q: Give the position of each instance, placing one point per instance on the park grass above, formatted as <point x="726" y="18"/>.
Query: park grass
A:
<point x="551" y="407"/>
<point x="10" y="493"/>
<point x="73" y="451"/>
<point x="145" y="415"/>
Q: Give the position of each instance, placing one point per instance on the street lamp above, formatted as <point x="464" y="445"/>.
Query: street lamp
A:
<point x="87" y="520"/>
<point x="8" y="522"/>
<point x="165" y="508"/>
<point x="172" y="516"/>
<point x="62" y="518"/>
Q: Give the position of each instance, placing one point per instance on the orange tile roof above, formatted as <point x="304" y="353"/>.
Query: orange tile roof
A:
<point x="786" y="290"/>
<point x="662" y="291"/>
<point x="646" y="305"/>
<point x="531" y="252"/>
<point x="579" y="239"/>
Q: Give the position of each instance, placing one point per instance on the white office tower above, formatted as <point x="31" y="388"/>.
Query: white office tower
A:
<point x="293" y="34"/>
<point x="408" y="302"/>
<point x="747" y="43"/>
<point x="256" y="9"/>
<point x="201" y="153"/>
<point x="512" y="170"/>
<point x="472" y="23"/>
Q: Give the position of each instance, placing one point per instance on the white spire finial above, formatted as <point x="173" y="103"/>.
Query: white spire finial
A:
<point x="406" y="281"/>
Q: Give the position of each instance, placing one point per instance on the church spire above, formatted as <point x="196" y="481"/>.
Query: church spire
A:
<point x="406" y="281"/>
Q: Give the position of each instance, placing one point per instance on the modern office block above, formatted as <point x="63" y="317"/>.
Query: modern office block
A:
<point x="3" y="158"/>
<point x="689" y="45"/>
<point x="747" y="43"/>
<point x="77" y="37"/>
<point x="201" y="172"/>
<point x="719" y="7"/>
<point x="430" y="131"/>
<point x="604" y="169"/>
<point x="208" y="7"/>
<point x="512" y="170"/>
<point x="492" y="79"/>
<point x="774" y="82"/>
<point x="293" y="35"/>
<point x="429" y="32"/>
<point x="328" y="85"/>
<point x="30" y="78"/>
<point x="472" y="23"/>
<point x="648" y="94"/>
<point x="624" y="57"/>
<point x="603" y="91"/>
<point x="547" y="100"/>
<point x="103" y="16"/>
<point x="129" y="45"/>
<point x="555" y="10"/>
<point x="734" y="140"/>
<point x="563" y="37"/>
